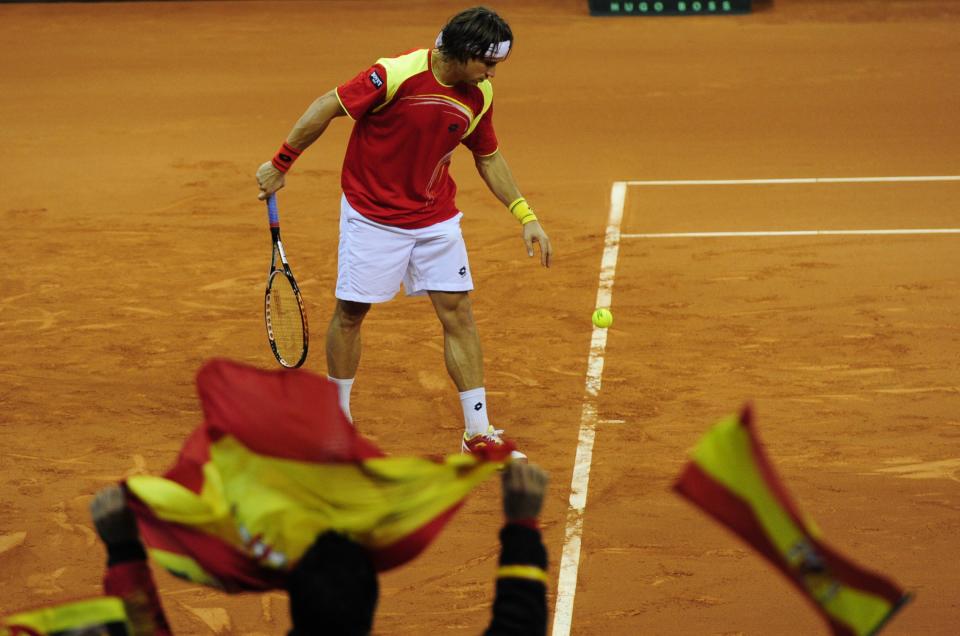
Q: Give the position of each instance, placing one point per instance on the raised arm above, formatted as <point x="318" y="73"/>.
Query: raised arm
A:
<point x="520" y="606"/>
<point x="496" y="174"/>
<point x="270" y="175"/>
<point x="128" y="575"/>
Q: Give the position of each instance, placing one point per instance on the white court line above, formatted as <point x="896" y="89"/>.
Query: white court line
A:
<point x="570" y="558"/>
<point x="792" y="233"/>
<point x="696" y="182"/>
<point x="788" y="181"/>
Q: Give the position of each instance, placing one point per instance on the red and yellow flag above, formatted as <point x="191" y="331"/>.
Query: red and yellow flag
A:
<point x="730" y="478"/>
<point x="274" y="464"/>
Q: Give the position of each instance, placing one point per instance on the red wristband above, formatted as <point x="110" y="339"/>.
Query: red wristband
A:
<point x="285" y="157"/>
<point x="531" y="522"/>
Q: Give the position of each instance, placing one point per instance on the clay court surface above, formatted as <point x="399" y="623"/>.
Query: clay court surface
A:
<point x="134" y="248"/>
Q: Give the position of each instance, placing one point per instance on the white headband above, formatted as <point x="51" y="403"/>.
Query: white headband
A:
<point x="497" y="52"/>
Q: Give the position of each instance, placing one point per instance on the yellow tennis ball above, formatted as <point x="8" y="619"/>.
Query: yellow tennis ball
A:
<point x="602" y="318"/>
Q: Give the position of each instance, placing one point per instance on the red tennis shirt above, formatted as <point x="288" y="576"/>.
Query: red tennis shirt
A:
<point x="407" y="125"/>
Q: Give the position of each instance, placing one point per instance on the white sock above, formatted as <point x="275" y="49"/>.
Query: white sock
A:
<point x="343" y="392"/>
<point x="474" y="403"/>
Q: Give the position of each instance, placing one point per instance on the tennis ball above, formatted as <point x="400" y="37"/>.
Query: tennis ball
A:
<point x="602" y="318"/>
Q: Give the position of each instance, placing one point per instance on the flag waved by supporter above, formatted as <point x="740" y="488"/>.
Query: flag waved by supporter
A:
<point x="275" y="464"/>
<point x="730" y="478"/>
<point x="104" y="616"/>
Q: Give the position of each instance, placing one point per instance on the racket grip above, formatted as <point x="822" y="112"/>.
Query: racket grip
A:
<point x="273" y="212"/>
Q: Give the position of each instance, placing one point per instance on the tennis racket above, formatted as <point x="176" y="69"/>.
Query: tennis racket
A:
<point x="282" y="304"/>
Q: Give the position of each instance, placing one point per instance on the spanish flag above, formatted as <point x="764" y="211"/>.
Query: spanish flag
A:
<point x="730" y="478"/>
<point x="276" y="463"/>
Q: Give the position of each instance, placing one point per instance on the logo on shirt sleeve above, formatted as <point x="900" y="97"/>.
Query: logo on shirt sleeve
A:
<point x="375" y="79"/>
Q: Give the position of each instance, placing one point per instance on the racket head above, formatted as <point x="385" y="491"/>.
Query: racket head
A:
<point x="285" y="319"/>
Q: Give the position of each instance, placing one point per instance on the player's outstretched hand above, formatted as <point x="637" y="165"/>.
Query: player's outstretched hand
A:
<point x="269" y="179"/>
<point x="524" y="486"/>
<point x="533" y="233"/>
<point x="112" y="518"/>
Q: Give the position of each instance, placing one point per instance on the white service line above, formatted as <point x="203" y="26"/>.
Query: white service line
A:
<point x="570" y="558"/>
<point x="792" y="233"/>
<point x="789" y="181"/>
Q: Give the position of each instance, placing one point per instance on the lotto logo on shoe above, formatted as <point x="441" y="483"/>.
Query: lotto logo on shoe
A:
<point x="478" y="406"/>
<point x="375" y="79"/>
<point x="463" y="271"/>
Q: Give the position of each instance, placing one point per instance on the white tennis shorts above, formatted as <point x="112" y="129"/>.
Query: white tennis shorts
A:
<point x="374" y="259"/>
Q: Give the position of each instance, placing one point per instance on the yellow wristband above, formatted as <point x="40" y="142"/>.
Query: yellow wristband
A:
<point x="522" y="211"/>
<point x="530" y="572"/>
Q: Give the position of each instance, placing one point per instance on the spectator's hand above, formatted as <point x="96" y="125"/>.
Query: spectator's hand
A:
<point x="269" y="179"/>
<point x="112" y="518"/>
<point x="524" y="486"/>
<point x="533" y="233"/>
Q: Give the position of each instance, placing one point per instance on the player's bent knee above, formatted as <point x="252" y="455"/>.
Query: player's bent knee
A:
<point x="454" y="310"/>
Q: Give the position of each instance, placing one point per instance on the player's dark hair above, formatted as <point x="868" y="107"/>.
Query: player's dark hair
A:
<point x="333" y="589"/>
<point x="470" y="34"/>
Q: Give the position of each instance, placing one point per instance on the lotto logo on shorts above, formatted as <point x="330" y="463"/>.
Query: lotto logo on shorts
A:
<point x="463" y="271"/>
<point x="375" y="79"/>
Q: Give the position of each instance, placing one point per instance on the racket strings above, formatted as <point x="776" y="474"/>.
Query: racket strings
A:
<point x="286" y="319"/>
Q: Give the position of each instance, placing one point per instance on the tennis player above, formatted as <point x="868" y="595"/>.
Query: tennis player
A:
<point x="399" y="222"/>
